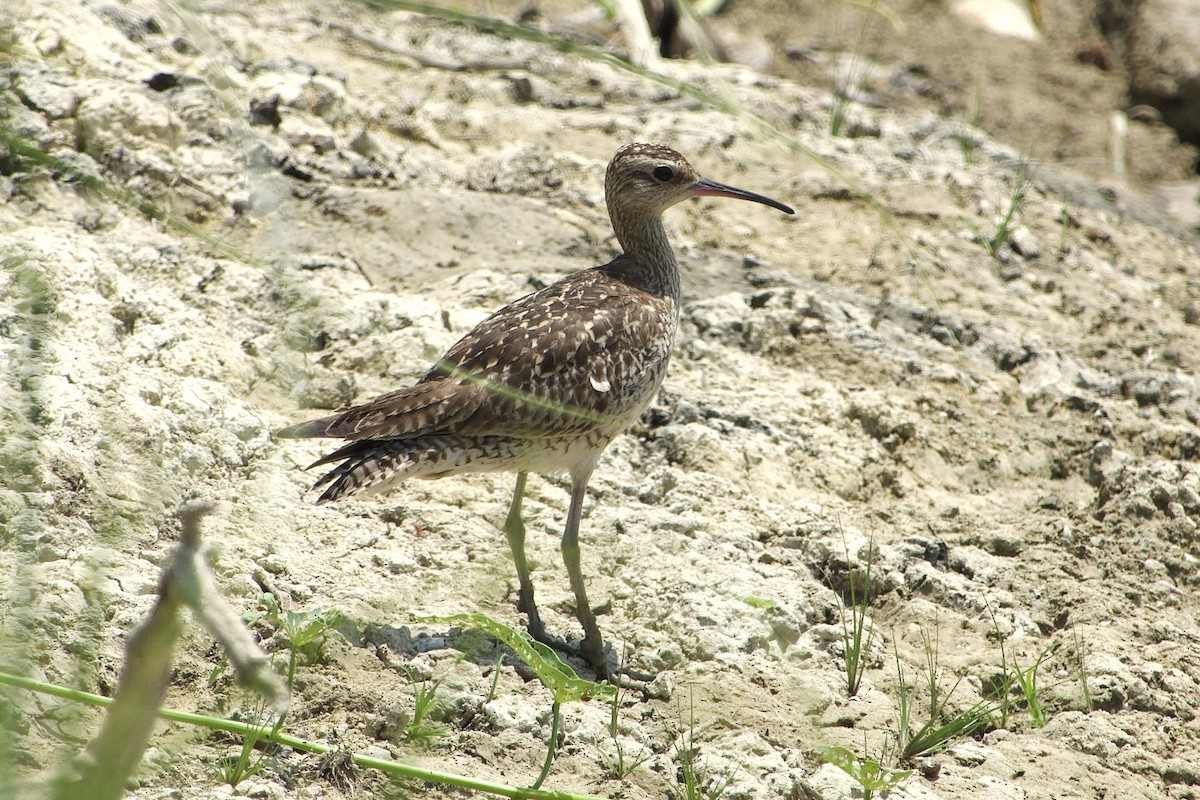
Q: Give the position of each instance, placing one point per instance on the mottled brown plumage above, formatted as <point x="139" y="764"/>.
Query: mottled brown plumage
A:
<point x="545" y="383"/>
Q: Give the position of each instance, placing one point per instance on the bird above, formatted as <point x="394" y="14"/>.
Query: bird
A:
<point x="545" y="383"/>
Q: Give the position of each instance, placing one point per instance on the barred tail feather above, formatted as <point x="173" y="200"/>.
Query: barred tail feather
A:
<point x="371" y="464"/>
<point x="366" y="466"/>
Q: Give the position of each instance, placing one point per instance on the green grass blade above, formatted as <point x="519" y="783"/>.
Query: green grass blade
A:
<point x="935" y="735"/>
<point x="302" y="745"/>
<point x="557" y="676"/>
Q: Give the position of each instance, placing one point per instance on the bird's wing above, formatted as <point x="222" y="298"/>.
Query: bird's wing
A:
<point x="561" y="360"/>
<point x="425" y="407"/>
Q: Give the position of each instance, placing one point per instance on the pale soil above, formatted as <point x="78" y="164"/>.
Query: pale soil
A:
<point x="1019" y="434"/>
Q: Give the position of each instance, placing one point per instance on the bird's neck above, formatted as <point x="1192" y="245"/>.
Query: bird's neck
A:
<point x="649" y="263"/>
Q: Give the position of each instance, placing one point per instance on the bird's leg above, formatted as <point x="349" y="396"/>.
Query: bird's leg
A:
<point x="592" y="646"/>
<point x="515" y="528"/>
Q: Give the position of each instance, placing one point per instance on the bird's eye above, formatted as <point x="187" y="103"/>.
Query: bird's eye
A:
<point x="664" y="174"/>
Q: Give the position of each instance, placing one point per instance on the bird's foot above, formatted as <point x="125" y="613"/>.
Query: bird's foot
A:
<point x="591" y="650"/>
<point x="596" y="656"/>
<point x="538" y="634"/>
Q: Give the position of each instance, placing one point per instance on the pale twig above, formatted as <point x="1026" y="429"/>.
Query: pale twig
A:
<point x="112" y="756"/>
<point x="194" y="580"/>
<point x="631" y="20"/>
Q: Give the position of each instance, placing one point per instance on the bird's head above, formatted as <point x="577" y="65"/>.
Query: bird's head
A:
<point x="647" y="179"/>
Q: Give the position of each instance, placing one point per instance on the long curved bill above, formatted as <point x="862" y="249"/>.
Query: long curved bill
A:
<point x="706" y="188"/>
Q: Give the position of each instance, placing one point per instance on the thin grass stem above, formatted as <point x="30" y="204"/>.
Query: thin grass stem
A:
<point x="551" y="745"/>
<point x="302" y="745"/>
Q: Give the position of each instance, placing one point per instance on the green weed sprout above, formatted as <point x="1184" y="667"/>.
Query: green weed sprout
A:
<point x="564" y="685"/>
<point x="872" y="776"/>
<point x="305" y="630"/>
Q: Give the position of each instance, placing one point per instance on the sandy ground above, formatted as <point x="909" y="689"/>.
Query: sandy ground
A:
<point x="1018" y="433"/>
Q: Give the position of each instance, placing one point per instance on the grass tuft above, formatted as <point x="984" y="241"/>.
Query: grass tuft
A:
<point x="233" y="769"/>
<point x="1022" y="181"/>
<point x="857" y="636"/>
<point x="848" y="80"/>
<point x="693" y="782"/>
<point x="421" y="729"/>
<point x="941" y="727"/>
<point x="1013" y="680"/>
<point x="1079" y="654"/>
<point x="620" y="765"/>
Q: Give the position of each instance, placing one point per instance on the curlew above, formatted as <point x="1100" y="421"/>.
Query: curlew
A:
<point x="545" y="383"/>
